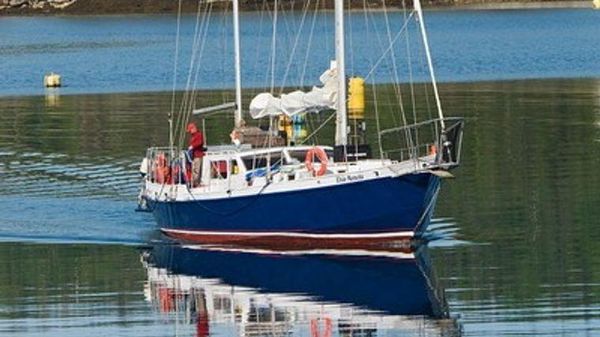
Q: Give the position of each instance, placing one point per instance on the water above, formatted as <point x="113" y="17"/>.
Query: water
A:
<point x="136" y="53"/>
<point x="515" y="236"/>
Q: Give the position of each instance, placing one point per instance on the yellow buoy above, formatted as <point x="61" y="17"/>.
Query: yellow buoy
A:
<point x="285" y="125"/>
<point x="52" y="80"/>
<point x="356" y="98"/>
<point x="596" y="4"/>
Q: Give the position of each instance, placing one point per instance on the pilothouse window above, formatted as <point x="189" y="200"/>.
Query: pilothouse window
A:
<point x="220" y="169"/>
<point x="298" y="156"/>
<point x="260" y="161"/>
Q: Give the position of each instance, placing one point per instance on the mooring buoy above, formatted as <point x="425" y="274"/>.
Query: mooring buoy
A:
<point x="52" y="80"/>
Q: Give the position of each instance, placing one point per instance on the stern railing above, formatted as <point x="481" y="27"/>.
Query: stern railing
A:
<point x="167" y="165"/>
<point x="441" y="146"/>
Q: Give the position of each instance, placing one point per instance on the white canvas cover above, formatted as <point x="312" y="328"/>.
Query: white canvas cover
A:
<point x="319" y="98"/>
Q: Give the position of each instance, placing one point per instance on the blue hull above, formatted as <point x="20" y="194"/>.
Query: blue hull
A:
<point x="404" y="203"/>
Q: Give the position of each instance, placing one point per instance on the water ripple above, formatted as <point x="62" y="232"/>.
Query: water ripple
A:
<point x="59" y="175"/>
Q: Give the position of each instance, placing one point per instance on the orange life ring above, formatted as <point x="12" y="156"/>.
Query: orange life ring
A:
<point x="432" y="150"/>
<point x="308" y="161"/>
<point x="316" y="332"/>
<point x="161" y="170"/>
<point x="165" y="296"/>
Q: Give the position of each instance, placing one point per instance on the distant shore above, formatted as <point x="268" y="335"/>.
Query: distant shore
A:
<point x="104" y="7"/>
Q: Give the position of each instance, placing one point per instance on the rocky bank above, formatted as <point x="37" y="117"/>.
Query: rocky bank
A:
<point x="90" y="7"/>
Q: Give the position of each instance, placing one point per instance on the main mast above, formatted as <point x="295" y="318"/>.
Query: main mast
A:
<point x="238" y="76"/>
<point x="341" y="122"/>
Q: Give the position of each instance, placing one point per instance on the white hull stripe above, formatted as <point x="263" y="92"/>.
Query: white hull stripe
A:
<point x="338" y="252"/>
<point x="293" y="234"/>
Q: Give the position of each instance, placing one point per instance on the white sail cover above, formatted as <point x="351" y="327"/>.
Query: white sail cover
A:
<point x="319" y="98"/>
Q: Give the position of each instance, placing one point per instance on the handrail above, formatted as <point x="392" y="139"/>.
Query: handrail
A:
<point x="426" y="139"/>
<point x="415" y="125"/>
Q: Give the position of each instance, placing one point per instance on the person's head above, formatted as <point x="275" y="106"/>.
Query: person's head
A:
<point x="191" y="128"/>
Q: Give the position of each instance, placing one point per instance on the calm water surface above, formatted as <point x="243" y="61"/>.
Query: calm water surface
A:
<point x="515" y="252"/>
<point x="136" y="53"/>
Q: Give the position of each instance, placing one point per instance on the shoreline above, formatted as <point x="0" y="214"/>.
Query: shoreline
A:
<point x="49" y="92"/>
<point x="514" y="5"/>
<point x="149" y="7"/>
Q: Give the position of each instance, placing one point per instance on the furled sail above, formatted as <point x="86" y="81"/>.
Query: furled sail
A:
<point x="316" y="100"/>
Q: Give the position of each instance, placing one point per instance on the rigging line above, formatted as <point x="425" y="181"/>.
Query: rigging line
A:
<point x="256" y="66"/>
<point x="182" y="116"/>
<point x="287" y="19"/>
<point x="410" y="76"/>
<point x="374" y="90"/>
<point x="370" y="22"/>
<point x="174" y="74"/>
<point x="287" y="69"/>
<point x="421" y="65"/>
<point x="370" y="19"/>
<point x="265" y="88"/>
<point x="382" y="57"/>
<point x="221" y="42"/>
<point x="319" y="128"/>
<point x="350" y="39"/>
<point x="396" y="83"/>
<point x="309" y="123"/>
<point x="425" y="87"/>
<point x="198" y="53"/>
<point x="377" y="121"/>
<point x="192" y="58"/>
<point x="310" y="35"/>
<point x="200" y="25"/>
<point x="274" y="44"/>
<point x="202" y="46"/>
<point x="194" y="66"/>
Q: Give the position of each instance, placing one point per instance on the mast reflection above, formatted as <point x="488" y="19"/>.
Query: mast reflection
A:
<point x="255" y="292"/>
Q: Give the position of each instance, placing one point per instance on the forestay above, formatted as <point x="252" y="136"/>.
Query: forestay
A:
<point x="296" y="102"/>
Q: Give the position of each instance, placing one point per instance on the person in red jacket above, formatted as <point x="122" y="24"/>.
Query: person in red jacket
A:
<point x="197" y="152"/>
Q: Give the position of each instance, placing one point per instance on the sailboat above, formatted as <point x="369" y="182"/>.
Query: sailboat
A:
<point x="307" y="195"/>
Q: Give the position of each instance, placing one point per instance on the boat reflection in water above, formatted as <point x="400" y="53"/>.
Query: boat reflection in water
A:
<point x="228" y="292"/>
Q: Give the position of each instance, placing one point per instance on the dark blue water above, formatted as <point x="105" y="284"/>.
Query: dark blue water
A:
<point x="136" y="53"/>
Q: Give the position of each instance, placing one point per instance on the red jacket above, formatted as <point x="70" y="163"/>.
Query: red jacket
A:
<point x="197" y="144"/>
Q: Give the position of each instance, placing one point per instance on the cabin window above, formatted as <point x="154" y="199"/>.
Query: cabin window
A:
<point x="298" y="156"/>
<point x="218" y="169"/>
<point x="260" y="161"/>
<point x="235" y="167"/>
<point x="222" y="303"/>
